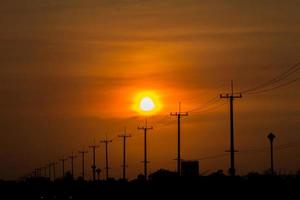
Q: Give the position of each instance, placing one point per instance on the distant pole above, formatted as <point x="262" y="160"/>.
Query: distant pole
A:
<point x="98" y="171"/>
<point x="49" y="171"/>
<point x="39" y="172"/>
<point x="179" y="114"/>
<point x="145" y="129"/>
<point x="232" y="151"/>
<point x="54" y="174"/>
<point x="63" y="166"/>
<point x="82" y="154"/>
<point x="124" y="136"/>
<point x="72" y="157"/>
<point x="271" y="138"/>
<point x="45" y="171"/>
<point x="106" y="142"/>
<point x="94" y="160"/>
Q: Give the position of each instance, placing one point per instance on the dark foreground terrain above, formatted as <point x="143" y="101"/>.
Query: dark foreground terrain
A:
<point x="202" y="187"/>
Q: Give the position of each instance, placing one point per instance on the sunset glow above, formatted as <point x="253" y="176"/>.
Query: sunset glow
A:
<point x="74" y="73"/>
<point x="147" y="103"/>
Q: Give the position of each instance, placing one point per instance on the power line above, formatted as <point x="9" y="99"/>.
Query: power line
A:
<point x="211" y="101"/>
<point x="213" y="156"/>
<point x="210" y="109"/>
<point x="290" y="71"/>
<point x="274" y="88"/>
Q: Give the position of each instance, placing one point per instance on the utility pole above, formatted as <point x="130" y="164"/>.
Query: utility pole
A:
<point x="232" y="151"/>
<point x="45" y="171"/>
<point x="271" y="137"/>
<point x="54" y="174"/>
<point x="98" y="171"/>
<point x="145" y="129"/>
<point x="63" y="166"/>
<point x="39" y="172"/>
<point x="34" y="172"/>
<point x="72" y="157"/>
<point x="49" y="170"/>
<point x="106" y="142"/>
<point x="179" y="114"/>
<point x="94" y="160"/>
<point x="82" y="154"/>
<point x="124" y="136"/>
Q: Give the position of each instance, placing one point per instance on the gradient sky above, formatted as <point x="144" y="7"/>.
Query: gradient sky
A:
<point x="70" y="69"/>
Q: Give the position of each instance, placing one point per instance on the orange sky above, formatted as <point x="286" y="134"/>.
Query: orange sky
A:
<point x="70" y="71"/>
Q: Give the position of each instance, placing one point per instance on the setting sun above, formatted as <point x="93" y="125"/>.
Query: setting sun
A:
<point x="147" y="103"/>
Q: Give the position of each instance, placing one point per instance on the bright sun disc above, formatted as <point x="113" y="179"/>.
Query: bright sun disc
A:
<point x="147" y="104"/>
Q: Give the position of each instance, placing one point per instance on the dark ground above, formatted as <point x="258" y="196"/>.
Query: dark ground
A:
<point x="158" y="186"/>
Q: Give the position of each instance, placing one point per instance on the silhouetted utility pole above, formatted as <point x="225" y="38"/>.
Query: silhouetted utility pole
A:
<point x="45" y="171"/>
<point x="106" y="142"/>
<point x="40" y="172"/>
<point x="54" y="174"/>
<point x="49" y="171"/>
<point x="34" y="172"/>
<point x="72" y="157"/>
<point x="98" y="171"/>
<point x="82" y="154"/>
<point x="179" y="114"/>
<point x="145" y="129"/>
<point x="124" y="136"/>
<point x="231" y="97"/>
<point x="63" y="166"/>
<point x="94" y="160"/>
<point x="271" y="137"/>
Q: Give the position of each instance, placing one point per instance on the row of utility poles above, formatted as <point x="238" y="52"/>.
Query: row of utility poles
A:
<point x="52" y="166"/>
<point x="232" y="170"/>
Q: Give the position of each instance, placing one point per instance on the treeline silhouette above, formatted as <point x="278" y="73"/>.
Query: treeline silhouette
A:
<point x="160" y="183"/>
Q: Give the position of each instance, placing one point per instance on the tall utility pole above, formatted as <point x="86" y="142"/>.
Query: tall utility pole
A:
<point x="179" y="114"/>
<point x="231" y="97"/>
<point x="72" y="157"/>
<point x="63" y="166"/>
<point x="82" y="154"/>
<point x="271" y="137"/>
<point x="145" y="129"/>
<point x="106" y="142"/>
<point x="124" y="136"/>
<point x="94" y="160"/>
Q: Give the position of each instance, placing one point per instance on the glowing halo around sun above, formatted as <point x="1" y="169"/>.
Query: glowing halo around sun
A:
<point x="147" y="103"/>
